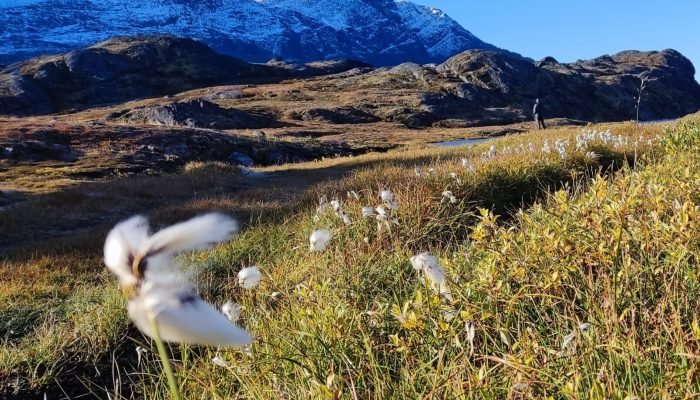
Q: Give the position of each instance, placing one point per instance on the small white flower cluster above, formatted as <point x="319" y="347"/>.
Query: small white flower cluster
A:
<point x="561" y="145"/>
<point x="383" y="213"/>
<point x="336" y="206"/>
<point x="545" y="147"/>
<point x="491" y="154"/>
<point x="386" y="210"/>
<point x="468" y="165"/>
<point x="606" y="137"/>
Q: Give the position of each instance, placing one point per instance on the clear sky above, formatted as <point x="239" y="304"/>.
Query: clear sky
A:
<point x="571" y="30"/>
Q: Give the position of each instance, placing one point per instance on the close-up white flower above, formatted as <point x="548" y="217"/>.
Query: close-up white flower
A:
<point x="161" y="301"/>
<point x="367" y="212"/>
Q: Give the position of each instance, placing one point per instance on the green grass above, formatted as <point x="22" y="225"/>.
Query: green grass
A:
<point x="610" y="242"/>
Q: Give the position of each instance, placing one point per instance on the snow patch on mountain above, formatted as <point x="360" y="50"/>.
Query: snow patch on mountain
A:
<point x="381" y="32"/>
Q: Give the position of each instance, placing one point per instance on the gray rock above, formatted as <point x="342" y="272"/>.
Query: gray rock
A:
<point x="195" y="113"/>
<point x="337" y="115"/>
<point x="241" y="159"/>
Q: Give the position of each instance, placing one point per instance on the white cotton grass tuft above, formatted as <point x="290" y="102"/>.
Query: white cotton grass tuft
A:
<point x="468" y="165"/>
<point x="318" y="241"/>
<point x="430" y="267"/>
<point x="162" y="303"/>
<point x="140" y="352"/>
<point x="447" y="195"/>
<point x="470" y="327"/>
<point x="336" y="205"/>
<point x="249" y="277"/>
<point x="232" y="311"/>
<point x="346" y="219"/>
<point x="568" y="339"/>
<point x="386" y="195"/>
<point x="219" y="362"/>
<point x="367" y="212"/>
<point x="388" y="198"/>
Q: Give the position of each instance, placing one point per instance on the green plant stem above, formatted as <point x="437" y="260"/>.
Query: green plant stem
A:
<point x="172" y="381"/>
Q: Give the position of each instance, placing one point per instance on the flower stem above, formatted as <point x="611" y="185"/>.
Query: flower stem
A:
<point x="172" y="381"/>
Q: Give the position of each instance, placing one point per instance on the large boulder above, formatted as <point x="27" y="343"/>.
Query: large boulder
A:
<point x="336" y="115"/>
<point x="195" y="114"/>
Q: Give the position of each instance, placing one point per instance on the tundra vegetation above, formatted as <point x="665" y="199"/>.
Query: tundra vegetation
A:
<point x="547" y="264"/>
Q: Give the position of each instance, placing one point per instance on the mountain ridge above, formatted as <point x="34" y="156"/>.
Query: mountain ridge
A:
<point x="380" y="32"/>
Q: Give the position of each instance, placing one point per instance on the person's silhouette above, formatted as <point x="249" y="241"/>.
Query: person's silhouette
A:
<point x="538" y="112"/>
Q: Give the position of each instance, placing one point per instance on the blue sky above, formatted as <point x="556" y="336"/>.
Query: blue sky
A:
<point x="571" y="30"/>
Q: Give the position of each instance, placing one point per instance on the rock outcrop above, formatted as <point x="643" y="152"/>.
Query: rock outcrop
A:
<point x="602" y="89"/>
<point x="489" y="87"/>
<point x="195" y="114"/>
<point x="336" y="115"/>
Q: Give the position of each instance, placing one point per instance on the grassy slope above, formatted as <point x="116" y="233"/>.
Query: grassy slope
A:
<point x="355" y="319"/>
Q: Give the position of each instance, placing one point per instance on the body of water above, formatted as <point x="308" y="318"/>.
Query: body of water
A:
<point x="462" y="142"/>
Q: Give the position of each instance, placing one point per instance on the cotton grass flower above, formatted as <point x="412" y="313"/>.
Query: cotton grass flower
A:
<point x="249" y="278"/>
<point x="447" y="195"/>
<point x="232" y="311"/>
<point x="470" y="328"/>
<point x="388" y="198"/>
<point x="381" y="211"/>
<point x="591" y="156"/>
<point x="219" y="362"/>
<point x="336" y="205"/>
<point x="318" y="241"/>
<point x="386" y="195"/>
<point x="140" y="351"/>
<point x="429" y="266"/>
<point x="367" y="212"/>
<point x="468" y="165"/>
<point x="568" y="339"/>
<point x="161" y="301"/>
<point x="346" y="219"/>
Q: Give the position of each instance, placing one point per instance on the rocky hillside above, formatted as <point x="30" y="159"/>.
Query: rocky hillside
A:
<point x="380" y="32"/>
<point x="475" y="87"/>
<point x="601" y="89"/>
<point x="122" y="69"/>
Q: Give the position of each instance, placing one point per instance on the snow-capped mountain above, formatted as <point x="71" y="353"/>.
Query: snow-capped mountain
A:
<point x="381" y="32"/>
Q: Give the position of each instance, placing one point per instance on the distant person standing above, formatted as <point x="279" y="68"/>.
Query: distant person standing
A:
<point x="538" y="112"/>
